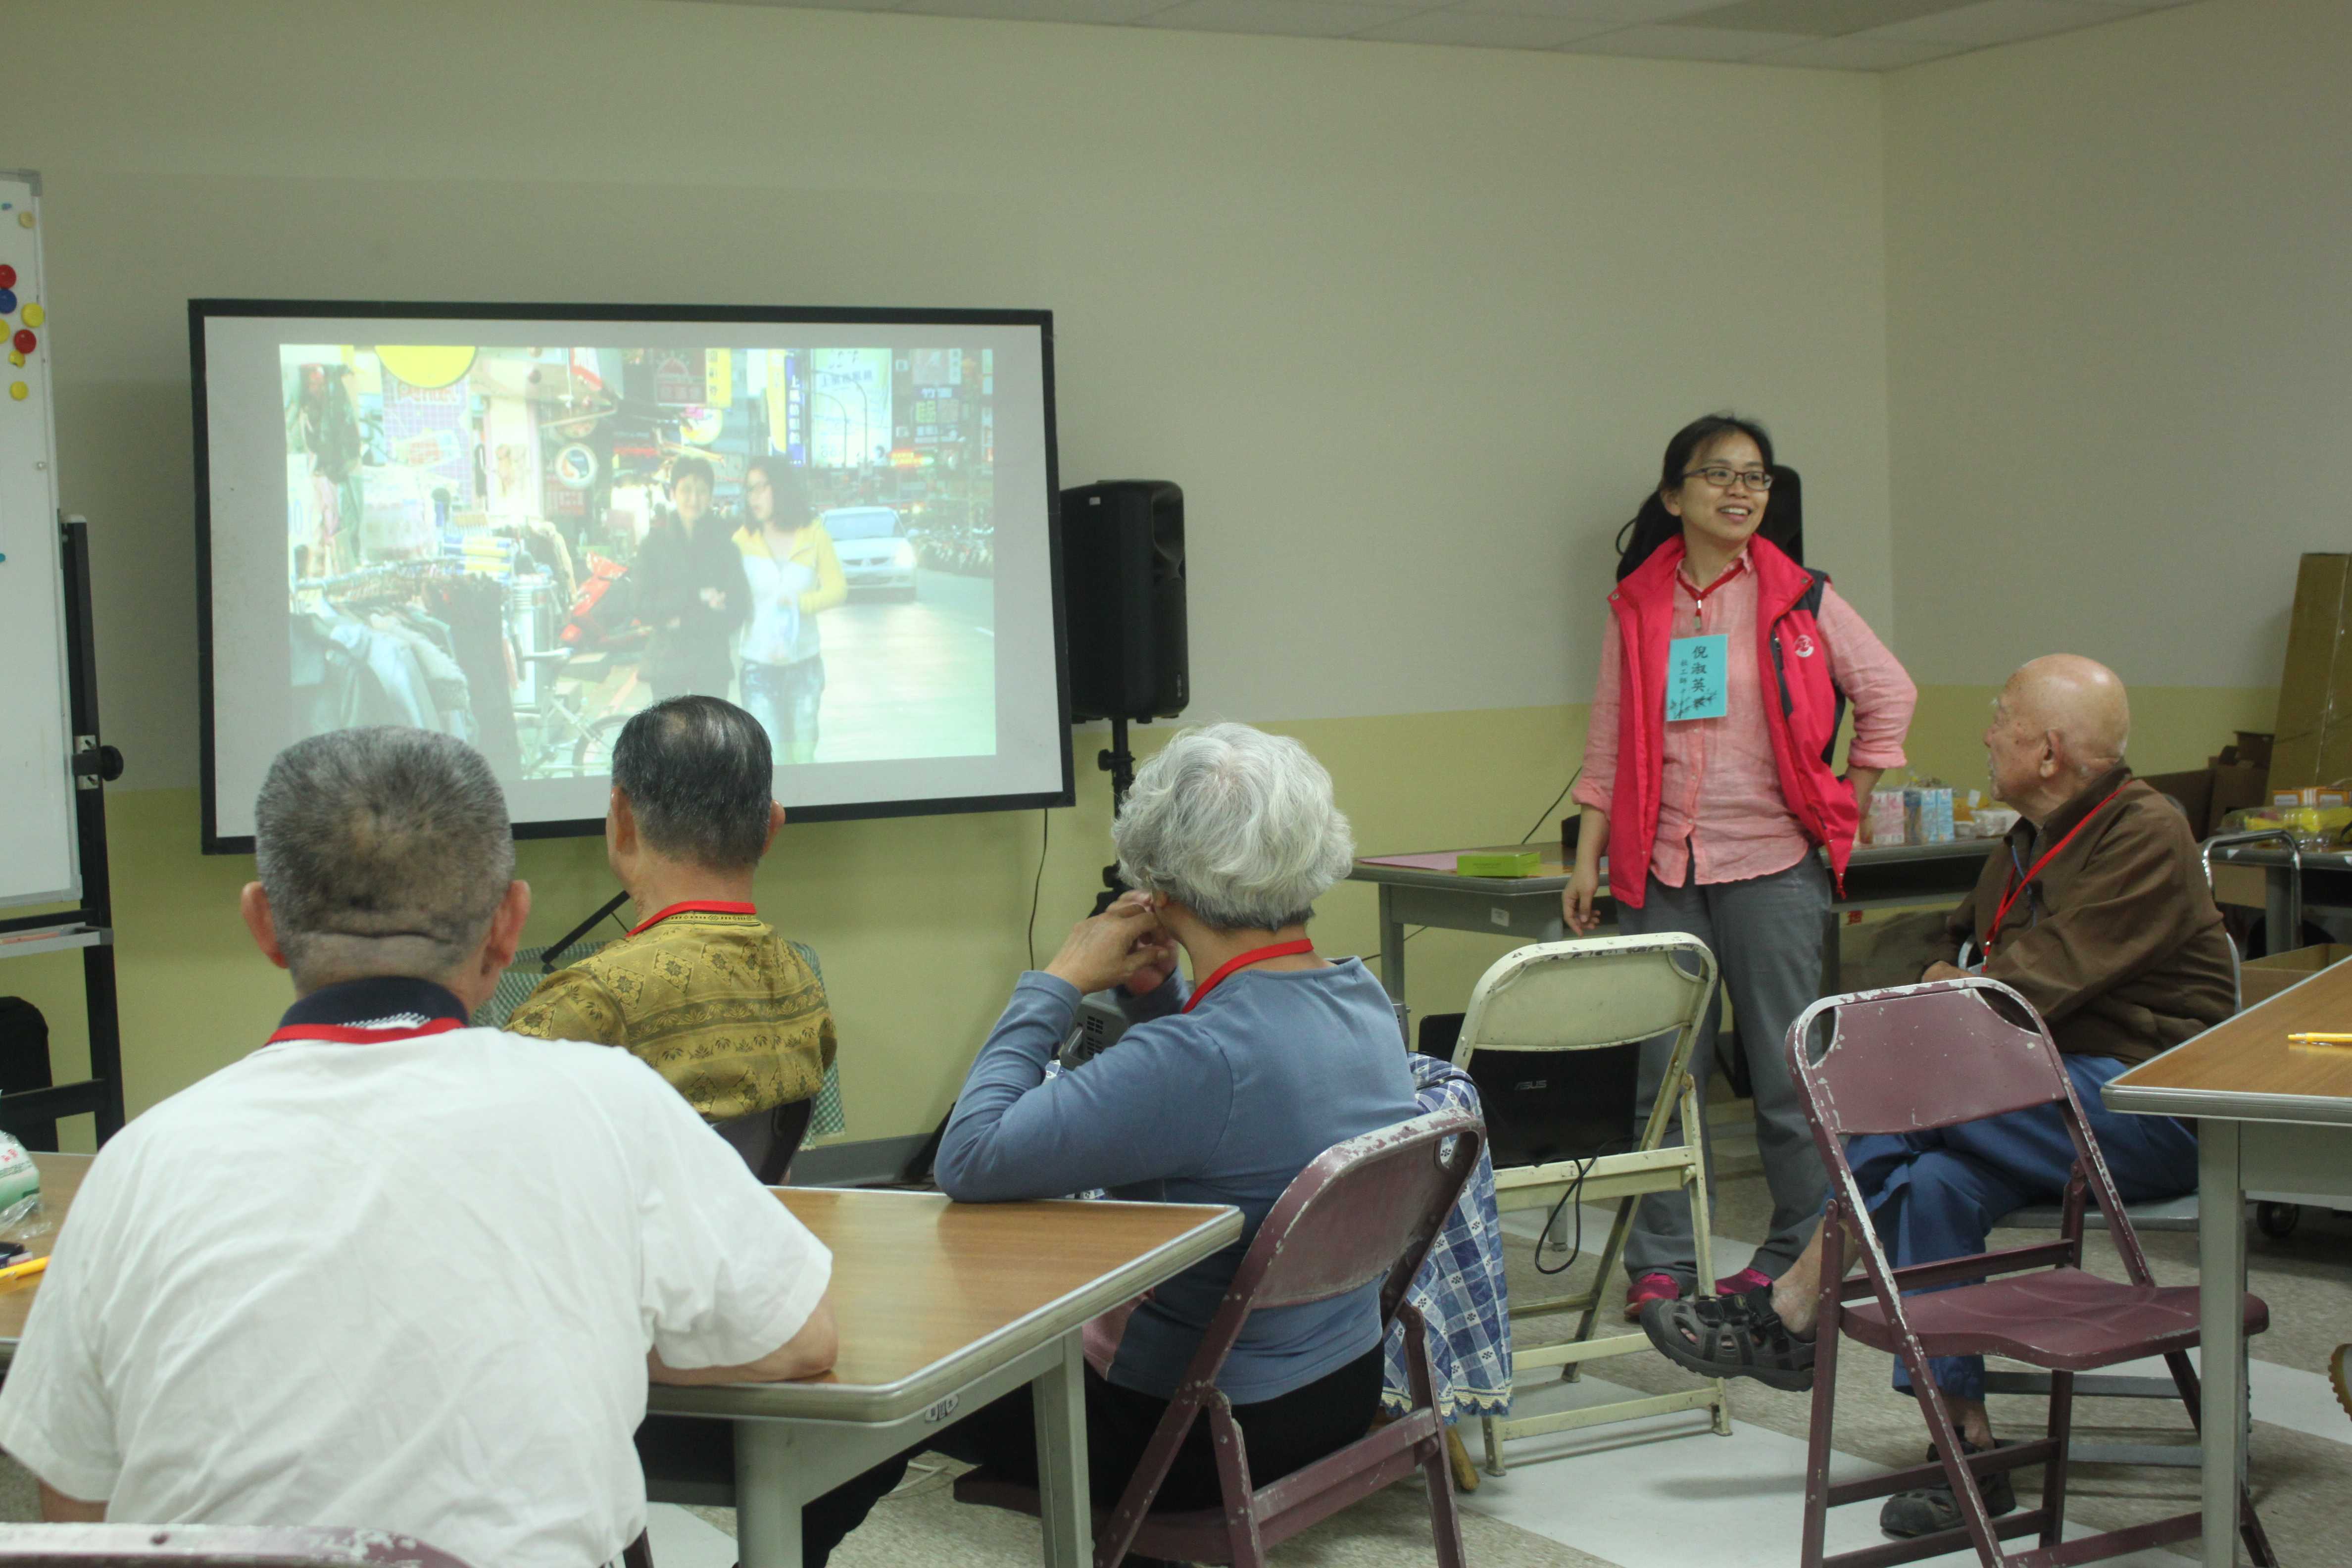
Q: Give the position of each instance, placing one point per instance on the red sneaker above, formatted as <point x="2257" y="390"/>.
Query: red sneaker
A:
<point x="1742" y="1283"/>
<point x="1650" y="1288"/>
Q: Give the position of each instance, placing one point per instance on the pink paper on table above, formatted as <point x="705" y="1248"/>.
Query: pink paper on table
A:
<point x="1441" y="861"/>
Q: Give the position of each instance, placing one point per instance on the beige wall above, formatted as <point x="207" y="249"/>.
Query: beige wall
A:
<point x="2118" y="329"/>
<point x="1409" y="324"/>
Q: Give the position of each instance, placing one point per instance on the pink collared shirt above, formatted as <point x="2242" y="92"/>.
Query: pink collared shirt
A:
<point x="1720" y="812"/>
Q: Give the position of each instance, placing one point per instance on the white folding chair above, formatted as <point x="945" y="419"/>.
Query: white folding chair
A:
<point x="1580" y="996"/>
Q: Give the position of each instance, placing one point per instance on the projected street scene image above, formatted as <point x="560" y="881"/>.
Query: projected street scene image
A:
<point x="524" y="546"/>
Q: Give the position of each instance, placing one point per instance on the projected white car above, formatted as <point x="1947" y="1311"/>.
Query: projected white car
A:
<point x="874" y="554"/>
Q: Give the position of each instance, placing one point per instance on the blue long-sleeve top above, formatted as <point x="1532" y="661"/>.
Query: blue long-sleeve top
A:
<point x="1225" y="1104"/>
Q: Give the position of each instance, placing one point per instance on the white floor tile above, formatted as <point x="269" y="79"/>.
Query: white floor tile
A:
<point x="682" y="1541"/>
<point x="1663" y="1492"/>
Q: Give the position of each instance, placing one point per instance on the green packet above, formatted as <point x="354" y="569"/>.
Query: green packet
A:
<point x="1497" y="863"/>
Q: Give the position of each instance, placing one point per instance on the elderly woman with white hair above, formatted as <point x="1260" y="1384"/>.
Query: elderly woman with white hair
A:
<point x="1221" y="1091"/>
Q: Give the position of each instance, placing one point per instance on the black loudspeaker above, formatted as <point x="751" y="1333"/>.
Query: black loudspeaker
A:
<point x="1123" y="583"/>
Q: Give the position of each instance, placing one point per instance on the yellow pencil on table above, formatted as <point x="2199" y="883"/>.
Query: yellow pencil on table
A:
<point x="2319" y="1039"/>
<point x="17" y="1273"/>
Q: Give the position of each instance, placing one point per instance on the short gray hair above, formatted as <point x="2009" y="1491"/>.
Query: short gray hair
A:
<point x="1236" y="825"/>
<point x="383" y="851"/>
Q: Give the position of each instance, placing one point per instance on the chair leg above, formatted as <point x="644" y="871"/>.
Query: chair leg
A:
<point x="1612" y="1251"/>
<point x="1817" y="1443"/>
<point x="1496" y="1463"/>
<point x="1237" y="1496"/>
<point x="638" y="1553"/>
<point x="1947" y="1438"/>
<point x="1702" y="1233"/>
<point x="2054" y="1474"/>
<point x="1444" y="1517"/>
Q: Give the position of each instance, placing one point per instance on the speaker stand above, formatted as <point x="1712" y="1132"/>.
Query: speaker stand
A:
<point x="1118" y="762"/>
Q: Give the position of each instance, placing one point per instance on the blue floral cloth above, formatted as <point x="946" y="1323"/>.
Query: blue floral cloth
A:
<point x="1460" y="1292"/>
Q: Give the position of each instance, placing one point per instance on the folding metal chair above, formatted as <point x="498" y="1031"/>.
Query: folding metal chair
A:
<point x="1580" y="996"/>
<point x="1366" y="1209"/>
<point x="209" y="1546"/>
<point x="1924" y="1057"/>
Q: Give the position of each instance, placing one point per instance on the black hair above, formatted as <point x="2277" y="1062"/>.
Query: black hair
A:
<point x="700" y="775"/>
<point x="1652" y="524"/>
<point x="789" y="486"/>
<point x="686" y="469"/>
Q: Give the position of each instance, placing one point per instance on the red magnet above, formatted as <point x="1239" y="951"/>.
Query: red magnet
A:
<point x="25" y="341"/>
<point x="7" y="276"/>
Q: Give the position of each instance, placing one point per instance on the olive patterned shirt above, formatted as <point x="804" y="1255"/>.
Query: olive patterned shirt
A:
<point x="717" y="1003"/>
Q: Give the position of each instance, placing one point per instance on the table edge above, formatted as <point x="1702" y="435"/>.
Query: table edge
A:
<point x="886" y="1401"/>
<point x="2228" y="1105"/>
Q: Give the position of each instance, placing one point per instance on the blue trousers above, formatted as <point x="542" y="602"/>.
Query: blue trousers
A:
<point x="1934" y="1195"/>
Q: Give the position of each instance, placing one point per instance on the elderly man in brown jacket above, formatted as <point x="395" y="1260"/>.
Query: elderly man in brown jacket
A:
<point x="2096" y="912"/>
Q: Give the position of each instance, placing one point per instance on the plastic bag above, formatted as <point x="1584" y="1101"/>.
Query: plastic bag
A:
<point x="20" y="1192"/>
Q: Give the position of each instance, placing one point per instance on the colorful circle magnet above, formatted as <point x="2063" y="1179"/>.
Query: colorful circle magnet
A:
<point x="7" y="299"/>
<point x="25" y="341"/>
<point x="7" y="276"/>
<point x="25" y="220"/>
<point x="15" y="358"/>
<point x="18" y="390"/>
<point x="34" y="315"/>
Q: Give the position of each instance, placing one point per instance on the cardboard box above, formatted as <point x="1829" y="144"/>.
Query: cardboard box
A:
<point x="2260" y="979"/>
<point x="2314" y="713"/>
<point x="2209" y="794"/>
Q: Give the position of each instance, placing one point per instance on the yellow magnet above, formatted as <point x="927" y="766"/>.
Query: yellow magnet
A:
<point x="15" y="356"/>
<point x="34" y="315"/>
<point x="19" y="391"/>
<point x="25" y="220"/>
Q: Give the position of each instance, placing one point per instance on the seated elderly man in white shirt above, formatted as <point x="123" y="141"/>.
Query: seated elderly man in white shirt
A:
<point x="389" y="1271"/>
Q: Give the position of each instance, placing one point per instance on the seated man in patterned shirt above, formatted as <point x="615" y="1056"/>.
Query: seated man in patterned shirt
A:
<point x="701" y="989"/>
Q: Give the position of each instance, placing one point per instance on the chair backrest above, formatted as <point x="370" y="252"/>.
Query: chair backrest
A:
<point x="1367" y="1209"/>
<point x="210" y="1546"/>
<point x="1921" y="1057"/>
<point x="1918" y="1057"/>
<point x="1587" y="994"/>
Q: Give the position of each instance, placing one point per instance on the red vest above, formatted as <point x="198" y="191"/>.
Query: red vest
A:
<point x="1789" y="654"/>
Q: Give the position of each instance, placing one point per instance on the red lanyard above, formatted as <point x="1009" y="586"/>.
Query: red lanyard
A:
<point x="694" y="906"/>
<point x="2014" y="887"/>
<point x="1244" y="960"/>
<point x="361" y="1035"/>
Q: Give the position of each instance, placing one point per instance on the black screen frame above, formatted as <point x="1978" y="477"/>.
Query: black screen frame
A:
<point x="202" y="311"/>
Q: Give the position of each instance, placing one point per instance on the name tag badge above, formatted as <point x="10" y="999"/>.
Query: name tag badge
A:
<point x="1696" y="686"/>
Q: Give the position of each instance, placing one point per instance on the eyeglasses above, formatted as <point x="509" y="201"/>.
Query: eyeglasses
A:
<point x="1721" y="477"/>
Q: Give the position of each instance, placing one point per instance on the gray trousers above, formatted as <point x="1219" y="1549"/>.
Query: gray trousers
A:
<point x="1766" y="935"/>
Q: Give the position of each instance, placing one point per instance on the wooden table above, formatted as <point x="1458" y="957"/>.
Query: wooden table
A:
<point x="942" y="1307"/>
<point x="2271" y="1117"/>
<point x="1527" y="907"/>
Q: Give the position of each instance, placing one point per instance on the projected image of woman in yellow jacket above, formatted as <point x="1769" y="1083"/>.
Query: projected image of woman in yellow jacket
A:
<point x="794" y="574"/>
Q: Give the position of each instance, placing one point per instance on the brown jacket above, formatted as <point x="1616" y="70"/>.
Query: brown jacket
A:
<point x="2117" y="943"/>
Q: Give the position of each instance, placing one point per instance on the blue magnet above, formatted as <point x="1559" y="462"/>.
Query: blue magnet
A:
<point x="7" y="301"/>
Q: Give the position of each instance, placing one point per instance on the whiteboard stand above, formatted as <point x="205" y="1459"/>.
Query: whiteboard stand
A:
<point x="89" y="928"/>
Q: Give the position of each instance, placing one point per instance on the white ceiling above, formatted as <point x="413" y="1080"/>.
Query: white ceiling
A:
<point x="1841" y="34"/>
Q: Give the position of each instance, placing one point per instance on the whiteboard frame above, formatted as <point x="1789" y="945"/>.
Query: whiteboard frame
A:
<point x="43" y="554"/>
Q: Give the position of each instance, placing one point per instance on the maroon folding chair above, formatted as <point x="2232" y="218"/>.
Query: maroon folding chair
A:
<point x="1924" y="1057"/>
<point x="210" y="1546"/>
<point x="1366" y="1209"/>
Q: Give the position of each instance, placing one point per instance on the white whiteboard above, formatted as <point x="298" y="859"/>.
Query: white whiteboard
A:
<point x="38" y="863"/>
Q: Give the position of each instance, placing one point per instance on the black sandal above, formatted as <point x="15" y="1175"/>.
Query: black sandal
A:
<point x="1732" y="1336"/>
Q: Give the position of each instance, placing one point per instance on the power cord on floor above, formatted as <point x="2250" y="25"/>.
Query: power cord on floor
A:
<point x="1573" y="1195"/>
